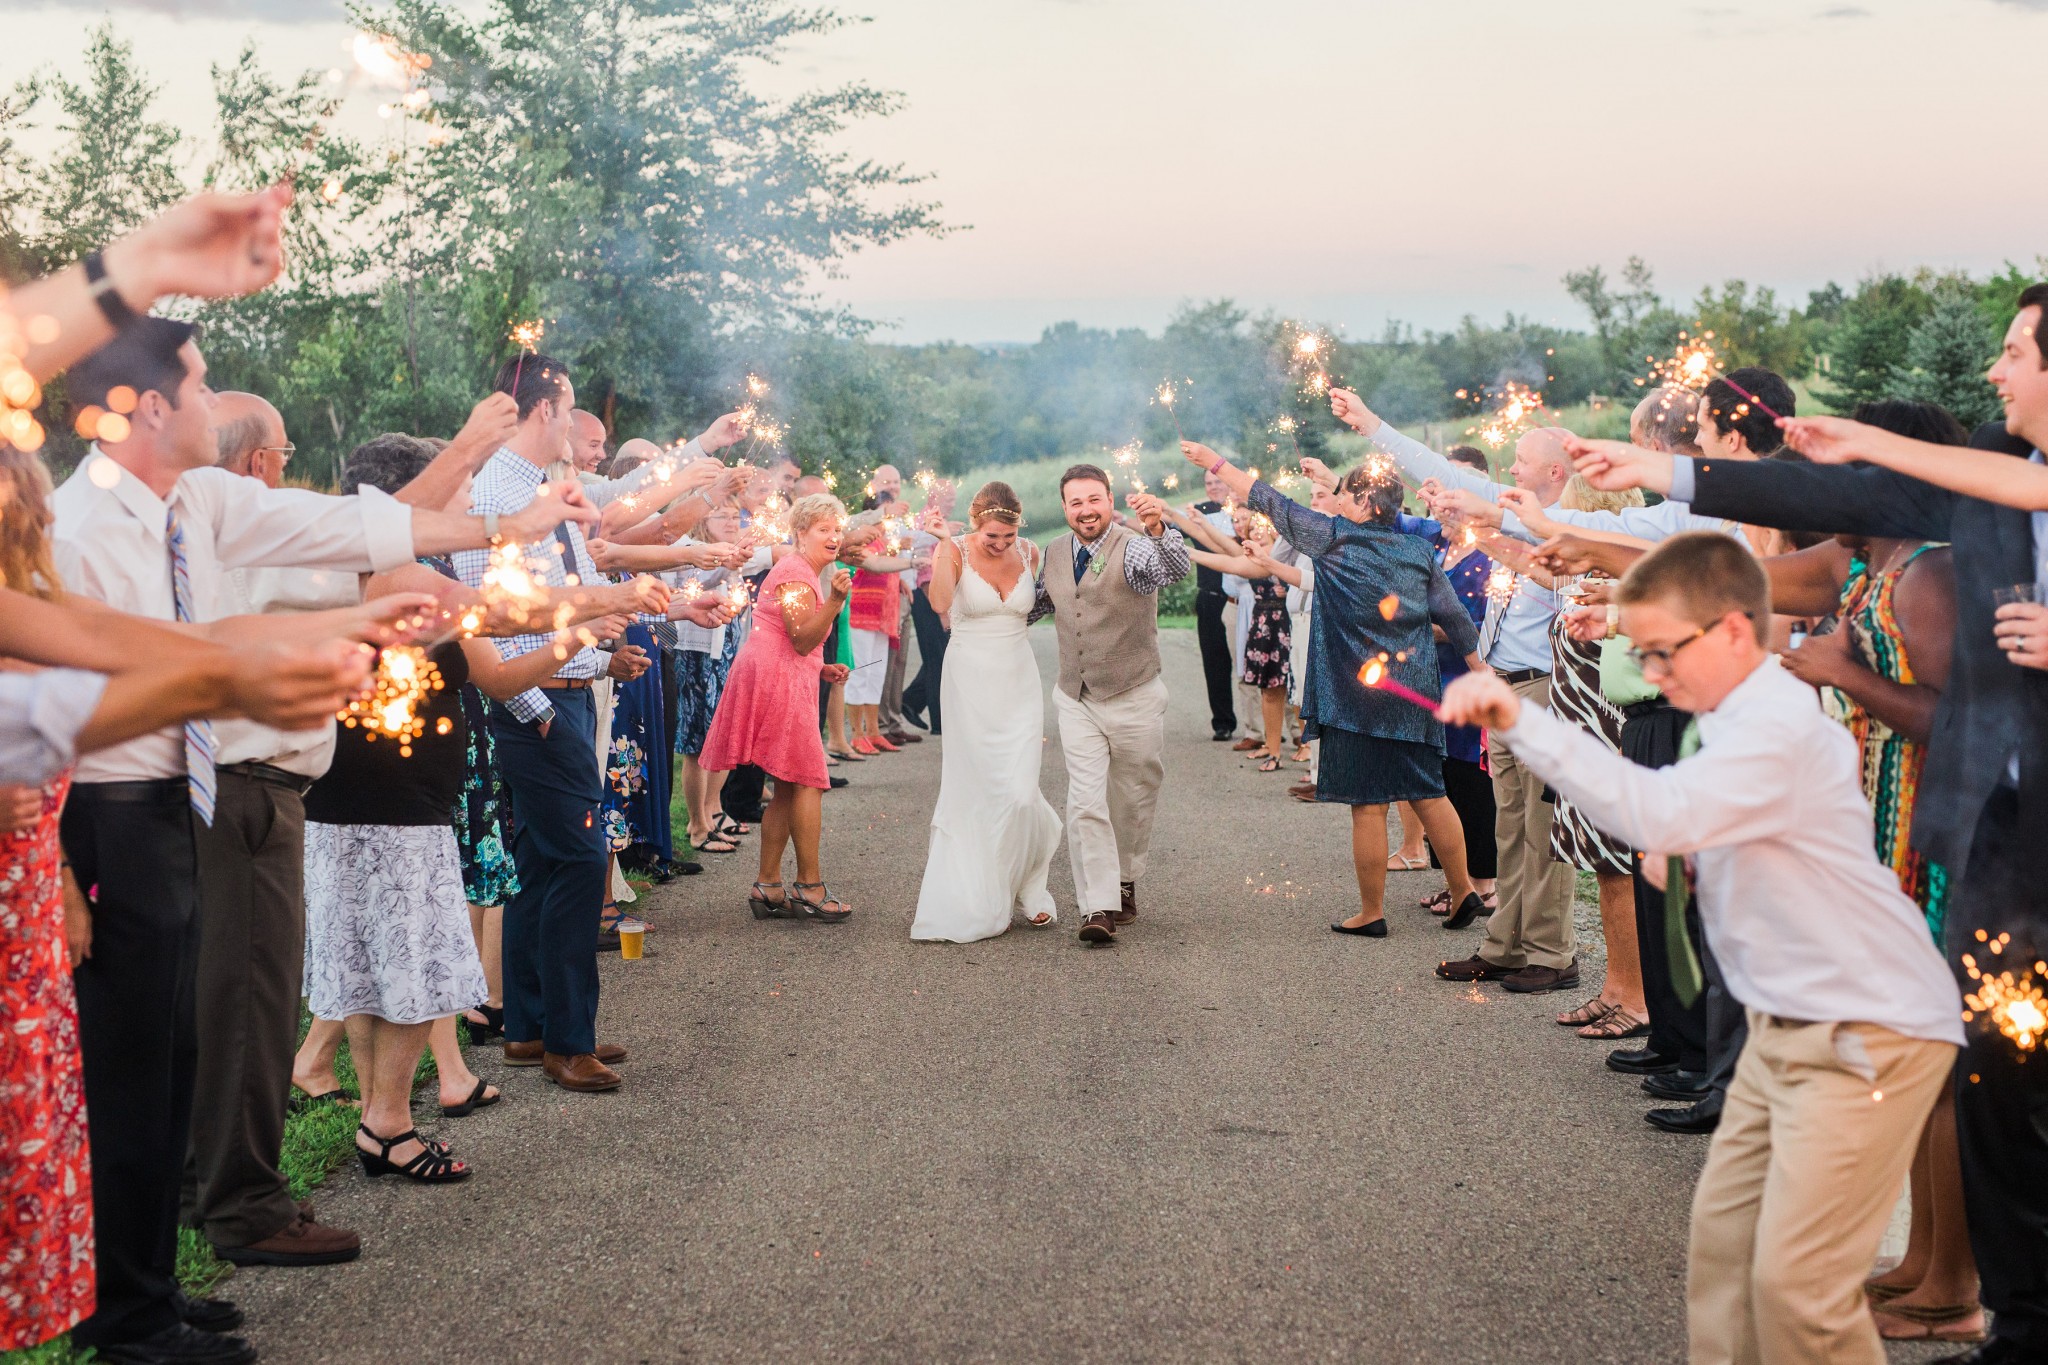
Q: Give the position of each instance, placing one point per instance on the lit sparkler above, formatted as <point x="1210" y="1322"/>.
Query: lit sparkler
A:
<point x="1691" y="366"/>
<point x="1374" y="674"/>
<point x="405" y="678"/>
<point x="1500" y="585"/>
<point x="1309" y="362"/>
<point x="1168" y="394"/>
<point x="2011" y="1002"/>
<point x="1125" y="457"/>
<point x="1517" y="407"/>
<point x="526" y="336"/>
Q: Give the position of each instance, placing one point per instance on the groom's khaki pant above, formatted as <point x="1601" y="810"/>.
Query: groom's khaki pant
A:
<point x="1113" y="749"/>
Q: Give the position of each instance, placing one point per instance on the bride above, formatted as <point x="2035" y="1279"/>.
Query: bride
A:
<point x="993" y="832"/>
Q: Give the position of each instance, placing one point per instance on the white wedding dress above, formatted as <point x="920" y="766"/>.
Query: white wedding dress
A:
<point x="993" y="831"/>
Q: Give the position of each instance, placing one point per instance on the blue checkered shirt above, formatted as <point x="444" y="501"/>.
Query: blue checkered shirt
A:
<point x="506" y="484"/>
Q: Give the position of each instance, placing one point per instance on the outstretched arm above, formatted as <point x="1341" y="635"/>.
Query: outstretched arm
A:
<point x="1973" y="473"/>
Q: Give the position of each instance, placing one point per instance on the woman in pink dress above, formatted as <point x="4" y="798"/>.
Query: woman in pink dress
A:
<point x="768" y="712"/>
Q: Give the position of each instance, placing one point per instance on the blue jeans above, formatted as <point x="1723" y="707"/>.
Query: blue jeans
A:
<point x="557" y="841"/>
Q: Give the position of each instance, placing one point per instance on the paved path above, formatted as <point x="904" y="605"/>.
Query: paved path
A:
<point x="1233" y="1136"/>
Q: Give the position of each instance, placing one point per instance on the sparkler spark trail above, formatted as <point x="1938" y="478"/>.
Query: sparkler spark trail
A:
<point x="526" y="336"/>
<point x="1308" y="360"/>
<point x="1374" y="674"/>
<point x="1500" y="585"/>
<point x="1517" y="409"/>
<point x="405" y="678"/>
<point x="1125" y="457"/>
<point x="2011" y="1002"/>
<point x="1691" y="366"/>
<point x="1166" y="395"/>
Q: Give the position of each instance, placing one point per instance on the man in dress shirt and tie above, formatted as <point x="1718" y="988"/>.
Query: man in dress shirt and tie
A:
<point x="147" y="524"/>
<point x="1530" y="944"/>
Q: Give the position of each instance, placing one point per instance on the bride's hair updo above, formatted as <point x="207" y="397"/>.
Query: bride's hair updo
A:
<point x="997" y="500"/>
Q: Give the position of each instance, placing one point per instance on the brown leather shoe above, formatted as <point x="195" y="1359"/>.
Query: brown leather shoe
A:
<point x="524" y="1054"/>
<point x="1473" y="968"/>
<point x="1533" y="978"/>
<point x="583" y="1072"/>
<point x="902" y="737"/>
<point x="1098" y="929"/>
<point x="611" y="1054"/>
<point x="300" y="1242"/>
<point x="1246" y="745"/>
<point x="1128" y="911"/>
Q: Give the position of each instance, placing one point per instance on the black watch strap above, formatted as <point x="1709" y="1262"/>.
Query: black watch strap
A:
<point x="112" y="306"/>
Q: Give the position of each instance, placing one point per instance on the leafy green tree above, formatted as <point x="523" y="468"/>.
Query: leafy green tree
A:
<point x="1947" y="353"/>
<point x="1862" y="348"/>
<point x="1751" y="329"/>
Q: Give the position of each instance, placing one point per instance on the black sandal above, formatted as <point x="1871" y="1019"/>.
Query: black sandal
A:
<point x="300" y="1101"/>
<point x="815" y="909"/>
<point x="493" y="1025"/>
<point x="1269" y="764"/>
<point x="732" y="829"/>
<point x="714" y="842"/>
<point x="433" y="1166"/>
<point x="764" y="908"/>
<point x="477" y="1100"/>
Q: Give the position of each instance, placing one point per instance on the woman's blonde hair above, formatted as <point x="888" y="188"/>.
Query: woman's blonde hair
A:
<point x="813" y="508"/>
<point x="996" y="500"/>
<point x="25" y="562"/>
<point x="1581" y="496"/>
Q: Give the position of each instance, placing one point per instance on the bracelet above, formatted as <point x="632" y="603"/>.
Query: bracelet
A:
<point x="1220" y="462"/>
<point x="111" y="305"/>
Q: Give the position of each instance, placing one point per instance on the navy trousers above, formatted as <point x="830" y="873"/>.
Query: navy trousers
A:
<point x="557" y="839"/>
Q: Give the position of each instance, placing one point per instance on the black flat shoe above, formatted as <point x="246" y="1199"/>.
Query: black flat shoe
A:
<point x="837" y="782"/>
<point x="1376" y="929"/>
<point x="1469" y="909"/>
<point x="208" y="1315"/>
<point x="1640" y="1061"/>
<point x="1694" y="1119"/>
<point x="179" y="1344"/>
<point x="478" y="1099"/>
<point x="1681" y="1087"/>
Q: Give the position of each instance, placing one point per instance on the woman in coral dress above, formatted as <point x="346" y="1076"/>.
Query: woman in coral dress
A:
<point x="768" y="713"/>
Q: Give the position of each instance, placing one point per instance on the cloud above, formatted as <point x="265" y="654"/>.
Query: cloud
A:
<point x="2038" y="6"/>
<point x="269" y="11"/>
<point x="1844" y="12"/>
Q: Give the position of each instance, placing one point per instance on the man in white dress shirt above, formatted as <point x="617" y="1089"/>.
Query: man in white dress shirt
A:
<point x="148" y="525"/>
<point x="1854" y="1019"/>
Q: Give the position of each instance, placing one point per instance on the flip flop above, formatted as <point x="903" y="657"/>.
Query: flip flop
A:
<point x="1397" y="863"/>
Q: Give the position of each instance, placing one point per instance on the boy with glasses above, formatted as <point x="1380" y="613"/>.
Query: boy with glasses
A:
<point x="1854" y="1018"/>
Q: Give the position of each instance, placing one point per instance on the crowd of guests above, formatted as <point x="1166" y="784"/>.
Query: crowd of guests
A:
<point x="1785" y="710"/>
<point x="1788" y="718"/>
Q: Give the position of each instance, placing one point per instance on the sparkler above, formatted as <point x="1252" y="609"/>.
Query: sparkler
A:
<point x="1517" y="408"/>
<point x="405" y="677"/>
<point x="2013" y="1003"/>
<point x="1374" y="674"/>
<point x="526" y="336"/>
<point x="1692" y="366"/>
<point x="1166" y="395"/>
<point x="1308" y="360"/>
<point x="1500" y="585"/>
<point x="1125" y="457"/>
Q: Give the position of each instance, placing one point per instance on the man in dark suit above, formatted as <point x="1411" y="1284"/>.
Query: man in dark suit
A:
<point x="1982" y="806"/>
<point x="1210" y="632"/>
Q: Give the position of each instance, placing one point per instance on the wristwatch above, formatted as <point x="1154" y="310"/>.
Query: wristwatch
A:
<point x="111" y="305"/>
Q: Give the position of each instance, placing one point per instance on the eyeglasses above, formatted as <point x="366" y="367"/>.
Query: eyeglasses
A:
<point x="1661" y="659"/>
<point x="287" y="449"/>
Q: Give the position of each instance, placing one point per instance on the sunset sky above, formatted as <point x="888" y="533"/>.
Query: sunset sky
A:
<point x="1354" y="160"/>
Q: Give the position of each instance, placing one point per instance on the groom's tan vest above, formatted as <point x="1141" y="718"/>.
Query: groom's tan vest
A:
<point x="1109" y="635"/>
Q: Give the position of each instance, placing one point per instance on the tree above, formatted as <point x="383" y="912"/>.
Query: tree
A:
<point x="1750" y="329"/>
<point x="1947" y="353"/>
<point x="117" y="168"/>
<point x="1860" y="351"/>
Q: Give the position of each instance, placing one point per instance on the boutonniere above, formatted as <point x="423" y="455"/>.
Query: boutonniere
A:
<point x="1095" y="565"/>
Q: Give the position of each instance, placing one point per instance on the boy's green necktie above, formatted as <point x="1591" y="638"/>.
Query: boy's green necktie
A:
<point x="1686" y="982"/>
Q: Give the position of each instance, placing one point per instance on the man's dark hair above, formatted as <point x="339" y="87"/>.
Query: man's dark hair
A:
<point x="1472" y="456"/>
<point x="538" y="379"/>
<point x="1083" y="471"/>
<point x="2036" y="296"/>
<point x="1731" y="410"/>
<point x="1929" y="422"/>
<point x="142" y="356"/>
<point x="386" y="463"/>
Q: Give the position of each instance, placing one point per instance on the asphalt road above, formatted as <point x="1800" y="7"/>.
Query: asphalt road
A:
<point x="1233" y="1136"/>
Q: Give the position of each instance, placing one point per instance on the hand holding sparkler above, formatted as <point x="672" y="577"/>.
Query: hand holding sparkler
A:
<point x="1585" y="624"/>
<point x="1480" y="699"/>
<point x="1318" y="474"/>
<point x="1568" y="554"/>
<point x="842" y="587"/>
<point x="1617" y="466"/>
<point x="378" y="622"/>
<point x="627" y="663"/>
<point x="1351" y="410"/>
<point x="1529" y="509"/>
<point x="644" y="595"/>
<point x="1199" y="455"/>
<point x="212" y="246"/>
<point x="726" y="431"/>
<point x="492" y="422"/>
<point x="1462" y="504"/>
<point x="1149" y="510"/>
<point x="292" y="688"/>
<point x="554" y="504"/>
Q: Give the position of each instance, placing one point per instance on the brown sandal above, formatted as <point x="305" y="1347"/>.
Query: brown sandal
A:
<point x="1616" y="1024"/>
<point x="1592" y="1012"/>
<point x="1960" y="1323"/>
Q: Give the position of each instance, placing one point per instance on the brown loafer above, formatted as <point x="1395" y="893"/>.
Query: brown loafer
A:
<point x="583" y="1073"/>
<point x="1246" y="745"/>
<point x="1128" y="911"/>
<point x="300" y="1242"/>
<point x="902" y="737"/>
<point x="1473" y="968"/>
<point x="524" y="1054"/>
<point x="1098" y="929"/>
<point x="1532" y="978"/>
<point x="611" y="1054"/>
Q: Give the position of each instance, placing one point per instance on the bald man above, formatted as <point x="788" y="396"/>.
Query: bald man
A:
<point x="250" y="434"/>
<point x="1530" y="942"/>
<point x="586" y="442"/>
<point x="252" y="920"/>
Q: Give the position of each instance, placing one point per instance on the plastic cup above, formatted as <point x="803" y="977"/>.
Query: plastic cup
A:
<point x="2018" y="592"/>
<point x="632" y="938"/>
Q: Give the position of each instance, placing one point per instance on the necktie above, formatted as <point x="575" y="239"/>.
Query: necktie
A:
<point x="199" y="745"/>
<point x="1686" y="982"/>
<point x="1082" y="554"/>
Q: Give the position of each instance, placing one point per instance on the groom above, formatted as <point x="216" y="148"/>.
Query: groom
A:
<point x="1101" y="585"/>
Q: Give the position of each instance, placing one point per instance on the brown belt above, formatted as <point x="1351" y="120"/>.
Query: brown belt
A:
<point x="565" y="684"/>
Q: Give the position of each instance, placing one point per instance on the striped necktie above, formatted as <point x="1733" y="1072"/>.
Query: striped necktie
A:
<point x="199" y="744"/>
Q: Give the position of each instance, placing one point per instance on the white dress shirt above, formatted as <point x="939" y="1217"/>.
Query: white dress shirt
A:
<point x="1807" y="924"/>
<point x="1657" y="523"/>
<point x="255" y="592"/>
<point x="109" y="544"/>
<point x="41" y="714"/>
